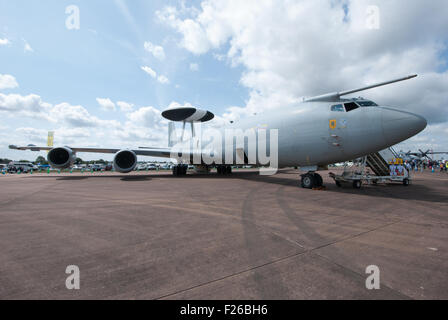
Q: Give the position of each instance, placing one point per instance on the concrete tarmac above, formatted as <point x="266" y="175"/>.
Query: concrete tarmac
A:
<point x="155" y="236"/>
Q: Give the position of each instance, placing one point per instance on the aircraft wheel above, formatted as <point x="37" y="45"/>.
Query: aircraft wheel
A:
<point x="308" y="181"/>
<point x="406" y="182"/>
<point x="318" y="179"/>
<point x="357" y="184"/>
<point x="338" y="184"/>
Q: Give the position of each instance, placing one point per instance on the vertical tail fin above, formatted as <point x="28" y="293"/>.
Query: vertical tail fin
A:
<point x="172" y="137"/>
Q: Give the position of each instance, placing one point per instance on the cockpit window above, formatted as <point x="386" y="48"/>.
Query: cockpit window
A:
<point x="338" y="107"/>
<point x="367" y="103"/>
<point x="351" y="106"/>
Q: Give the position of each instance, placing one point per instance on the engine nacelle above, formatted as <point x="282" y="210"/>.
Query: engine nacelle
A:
<point x="125" y="161"/>
<point x="61" y="158"/>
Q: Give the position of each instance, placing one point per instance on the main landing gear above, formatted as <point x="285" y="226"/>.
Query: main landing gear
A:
<point x="311" y="180"/>
<point x="224" y="170"/>
<point x="180" y="170"/>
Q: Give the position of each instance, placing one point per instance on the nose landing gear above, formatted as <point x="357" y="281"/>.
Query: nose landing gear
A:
<point x="311" y="180"/>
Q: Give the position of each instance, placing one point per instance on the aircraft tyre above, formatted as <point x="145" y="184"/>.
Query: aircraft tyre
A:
<point x="318" y="179"/>
<point x="224" y="170"/>
<point x="357" y="184"/>
<point x="180" y="170"/>
<point x="308" y="181"/>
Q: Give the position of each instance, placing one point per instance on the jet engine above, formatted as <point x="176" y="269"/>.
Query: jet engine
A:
<point x="125" y="161"/>
<point x="61" y="158"/>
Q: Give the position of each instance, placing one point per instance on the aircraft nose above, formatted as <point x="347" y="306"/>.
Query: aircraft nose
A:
<point x="400" y="125"/>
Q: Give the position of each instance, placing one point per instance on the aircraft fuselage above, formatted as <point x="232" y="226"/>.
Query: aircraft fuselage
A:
<point x="316" y="133"/>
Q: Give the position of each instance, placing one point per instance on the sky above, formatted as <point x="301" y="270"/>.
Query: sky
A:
<point x="99" y="73"/>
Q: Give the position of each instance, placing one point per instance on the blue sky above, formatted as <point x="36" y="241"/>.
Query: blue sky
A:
<point x="104" y="57"/>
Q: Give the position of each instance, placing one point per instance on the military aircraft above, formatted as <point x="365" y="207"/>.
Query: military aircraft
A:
<point x="419" y="156"/>
<point x="312" y="134"/>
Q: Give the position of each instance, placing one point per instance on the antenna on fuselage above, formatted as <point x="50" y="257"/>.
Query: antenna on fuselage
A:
<point x="335" y="96"/>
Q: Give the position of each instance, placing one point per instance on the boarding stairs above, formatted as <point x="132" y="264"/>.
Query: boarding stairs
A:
<point x="379" y="161"/>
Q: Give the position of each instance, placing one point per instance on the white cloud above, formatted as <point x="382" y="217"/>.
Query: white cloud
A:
<point x="194" y="37"/>
<point x="33" y="134"/>
<point x="75" y="126"/>
<point x="291" y="49"/>
<point x="147" y="116"/>
<point x="175" y="104"/>
<point x="155" y="50"/>
<point x="4" y="42"/>
<point x="27" y="47"/>
<point x="149" y="71"/>
<point x="106" y="104"/>
<point x="78" y="116"/>
<point x="163" y="80"/>
<point x="32" y="106"/>
<point x="145" y="126"/>
<point x="8" y="82"/>
<point x="434" y="138"/>
<point x="194" y="67"/>
<point x="125" y="106"/>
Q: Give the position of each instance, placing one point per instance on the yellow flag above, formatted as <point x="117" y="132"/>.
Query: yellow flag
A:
<point x="50" y="139"/>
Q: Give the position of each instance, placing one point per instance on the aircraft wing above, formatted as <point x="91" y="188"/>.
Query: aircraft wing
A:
<point x="152" y="152"/>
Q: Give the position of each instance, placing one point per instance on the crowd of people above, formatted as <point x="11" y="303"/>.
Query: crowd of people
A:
<point x="433" y="165"/>
<point x="398" y="166"/>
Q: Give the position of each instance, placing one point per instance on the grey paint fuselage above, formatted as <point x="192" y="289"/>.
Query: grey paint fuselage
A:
<point x="306" y="137"/>
<point x="310" y="134"/>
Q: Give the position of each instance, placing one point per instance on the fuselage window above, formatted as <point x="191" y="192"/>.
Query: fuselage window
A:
<point x="338" y="107"/>
<point x="351" y="106"/>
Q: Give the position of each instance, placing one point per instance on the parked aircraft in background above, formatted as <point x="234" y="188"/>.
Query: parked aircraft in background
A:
<point x="419" y="156"/>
